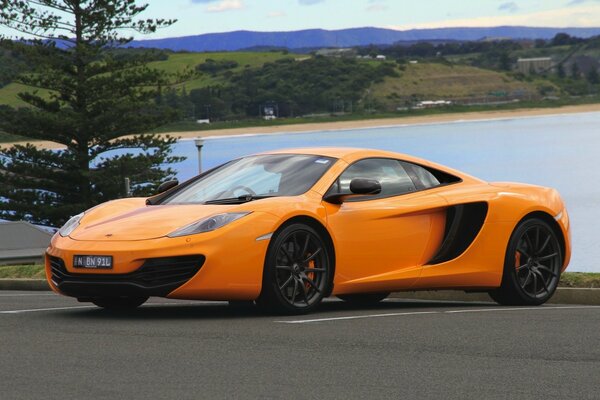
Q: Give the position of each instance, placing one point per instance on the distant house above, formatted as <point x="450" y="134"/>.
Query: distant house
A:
<point x="432" y="103"/>
<point x="381" y="57"/>
<point x="22" y="243"/>
<point x="537" y="65"/>
<point x="336" y="53"/>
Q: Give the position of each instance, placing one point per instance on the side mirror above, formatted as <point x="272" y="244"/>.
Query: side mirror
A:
<point x="167" y="185"/>
<point x="365" y="186"/>
<point x="358" y="187"/>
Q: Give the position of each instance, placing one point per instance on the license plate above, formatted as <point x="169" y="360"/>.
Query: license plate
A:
<point x="93" y="262"/>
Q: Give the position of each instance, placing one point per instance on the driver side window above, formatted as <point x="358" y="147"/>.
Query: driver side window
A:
<point x="389" y="173"/>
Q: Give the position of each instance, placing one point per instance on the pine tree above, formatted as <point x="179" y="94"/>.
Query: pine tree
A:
<point x="86" y="96"/>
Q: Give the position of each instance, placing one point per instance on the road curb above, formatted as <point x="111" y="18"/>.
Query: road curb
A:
<point x="24" y="284"/>
<point x="562" y="296"/>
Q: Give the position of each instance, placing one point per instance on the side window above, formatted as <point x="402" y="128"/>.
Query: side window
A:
<point x="427" y="178"/>
<point x="390" y="173"/>
<point x="423" y="175"/>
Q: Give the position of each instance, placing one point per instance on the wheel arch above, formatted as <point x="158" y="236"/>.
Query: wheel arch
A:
<point x="322" y="230"/>
<point x="544" y="216"/>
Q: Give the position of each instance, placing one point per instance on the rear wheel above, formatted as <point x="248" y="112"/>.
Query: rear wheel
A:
<point x="532" y="266"/>
<point x="119" y="303"/>
<point x="363" y="299"/>
<point x="298" y="271"/>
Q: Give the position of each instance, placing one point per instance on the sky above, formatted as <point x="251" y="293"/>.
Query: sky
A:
<point x="208" y="16"/>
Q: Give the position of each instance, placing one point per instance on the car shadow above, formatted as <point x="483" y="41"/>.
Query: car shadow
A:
<point x="223" y="311"/>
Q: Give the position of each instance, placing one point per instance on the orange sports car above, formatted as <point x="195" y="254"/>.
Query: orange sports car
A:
<point x="285" y="229"/>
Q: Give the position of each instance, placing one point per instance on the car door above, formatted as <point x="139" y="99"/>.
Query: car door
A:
<point x="383" y="240"/>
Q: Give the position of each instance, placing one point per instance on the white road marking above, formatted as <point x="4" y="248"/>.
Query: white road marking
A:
<point x="93" y="306"/>
<point x="401" y="314"/>
<point x="43" y="309"/>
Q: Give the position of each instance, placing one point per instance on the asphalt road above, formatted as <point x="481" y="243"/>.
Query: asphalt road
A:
<point x="53" y="347"/>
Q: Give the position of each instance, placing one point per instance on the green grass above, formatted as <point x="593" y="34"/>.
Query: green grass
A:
<point x="8" y="94"/>
<point x="8" y="138"/>
<point x="177" y="63"/>
<point x="431" y="81"/>
<point x="22" y="272"/>
<point x="180" y="62"/>
<point x="580" y="280"/>
<point x="568" y="279"/>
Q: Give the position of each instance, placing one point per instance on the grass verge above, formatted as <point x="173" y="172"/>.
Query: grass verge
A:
<point x="22" y="272"/>
<point x="568" y="279"/>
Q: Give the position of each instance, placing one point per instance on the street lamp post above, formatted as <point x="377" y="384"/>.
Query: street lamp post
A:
<point x="199" y="144"/>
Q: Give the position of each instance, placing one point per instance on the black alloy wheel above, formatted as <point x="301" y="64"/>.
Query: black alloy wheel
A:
<point x="298" y="271"/>
<point x="532" y="267"/>
<point x="119" y="303"/>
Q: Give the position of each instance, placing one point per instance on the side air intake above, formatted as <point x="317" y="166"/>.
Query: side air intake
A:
<point x="463" y="223"/>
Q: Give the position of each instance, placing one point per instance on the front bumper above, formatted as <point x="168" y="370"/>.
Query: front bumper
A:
<point x="232" y="266"/>
<point x="156" y="277"/>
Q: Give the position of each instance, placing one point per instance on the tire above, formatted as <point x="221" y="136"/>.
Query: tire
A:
<point x="363" y="299"/>
<point x="532" y="265"/>
<point x="298" y="271"/>
<point x="119" y="303"/>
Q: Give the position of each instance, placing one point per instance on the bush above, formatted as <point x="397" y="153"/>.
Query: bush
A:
<point x="211" y="66"/>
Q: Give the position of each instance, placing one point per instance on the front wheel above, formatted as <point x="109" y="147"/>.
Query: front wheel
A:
<point x="298" y="271"/>
<point x="119" y="303"/>
<point x="532" y="266"/>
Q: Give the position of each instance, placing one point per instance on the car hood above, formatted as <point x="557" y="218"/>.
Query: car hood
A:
<point x="132" y="219"/>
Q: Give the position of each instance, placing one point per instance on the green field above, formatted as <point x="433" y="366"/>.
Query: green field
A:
<point x="8" y="94"/>
<point x="431" y="81"/>
<point x="179" y="63"/>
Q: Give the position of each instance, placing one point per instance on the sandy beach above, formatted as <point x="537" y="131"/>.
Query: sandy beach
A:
<point x="368" y="123"/>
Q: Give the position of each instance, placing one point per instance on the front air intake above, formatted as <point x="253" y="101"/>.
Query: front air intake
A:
<point x="156" y="277"/>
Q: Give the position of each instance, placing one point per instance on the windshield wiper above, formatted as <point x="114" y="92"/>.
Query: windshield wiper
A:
<point x="237" y="200"/>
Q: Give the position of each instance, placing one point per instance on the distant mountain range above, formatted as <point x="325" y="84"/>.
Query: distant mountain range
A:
<point x="318" y="38"/>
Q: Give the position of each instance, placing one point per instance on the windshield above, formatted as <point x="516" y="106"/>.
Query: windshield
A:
<point x="255" y="177"/>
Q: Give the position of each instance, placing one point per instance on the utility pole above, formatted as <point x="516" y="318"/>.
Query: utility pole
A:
<point x="199" y="144"/>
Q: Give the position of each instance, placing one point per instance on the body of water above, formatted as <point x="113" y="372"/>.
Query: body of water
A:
<point x="561" y="151"/>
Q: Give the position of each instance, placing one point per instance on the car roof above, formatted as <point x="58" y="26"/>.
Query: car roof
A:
<point x="348" y="154"/>
<point x="351" y="154"/>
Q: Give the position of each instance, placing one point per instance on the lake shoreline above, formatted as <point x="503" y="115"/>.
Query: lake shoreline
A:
<point x="362" y="124"/>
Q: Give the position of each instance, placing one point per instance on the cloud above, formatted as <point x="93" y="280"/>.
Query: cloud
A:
<point x="577" y="2"/>
<point x="310" y="2"/>
<point x="510" y="6"/>
<point x="584" y="16"/>
<point x="276" y="14"/>
<point x="222" y="5"/>
<point x="377" y="5"/>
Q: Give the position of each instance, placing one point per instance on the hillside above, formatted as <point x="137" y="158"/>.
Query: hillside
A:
<point x="316" y="38"/>
<point x="178" y="63"/>
<point x="434" y="81"/>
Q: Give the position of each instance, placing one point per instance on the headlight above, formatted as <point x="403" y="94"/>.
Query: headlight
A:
<point x="70" y="226"/>
<point x="208" y="224"/>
